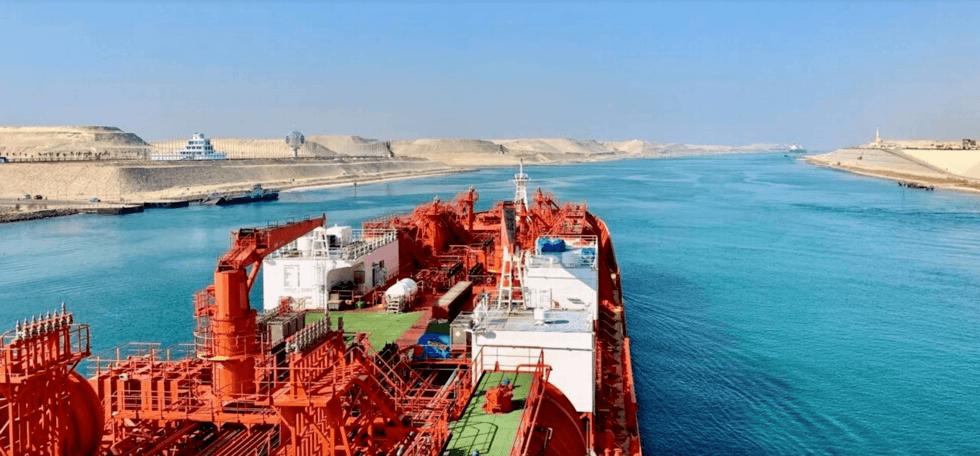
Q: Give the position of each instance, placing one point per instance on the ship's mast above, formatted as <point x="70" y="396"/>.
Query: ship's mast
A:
<point x="511" y="289"/>
<point x="520" y="180"/>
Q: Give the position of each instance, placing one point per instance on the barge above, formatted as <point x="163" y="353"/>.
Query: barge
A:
<point x="256" y="194"/>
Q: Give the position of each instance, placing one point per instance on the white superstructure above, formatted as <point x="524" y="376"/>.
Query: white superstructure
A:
<point x="560" y="284"/>
<point x="197" y="148"/>
<point x="562" y="274"/>
<point x="564" y="337"/>
<point x="328" y="266"/>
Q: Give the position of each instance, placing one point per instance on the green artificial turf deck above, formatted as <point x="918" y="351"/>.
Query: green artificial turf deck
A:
<point x="384" y="327"/>
<point x="490" y="435"/>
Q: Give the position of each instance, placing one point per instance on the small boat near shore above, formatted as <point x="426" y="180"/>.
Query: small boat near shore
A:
<point x="916" y="185"/>
<point x="255" y="195"/>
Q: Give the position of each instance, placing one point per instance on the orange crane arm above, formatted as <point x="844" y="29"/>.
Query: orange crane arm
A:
<point x="251" y="245"/>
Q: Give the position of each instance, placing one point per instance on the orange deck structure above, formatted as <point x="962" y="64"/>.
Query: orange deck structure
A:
<point x="242" y="389"/>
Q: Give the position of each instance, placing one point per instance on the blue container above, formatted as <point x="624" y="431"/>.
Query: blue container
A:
<point x="551" y="245"/>
<point x="435" y="345"/>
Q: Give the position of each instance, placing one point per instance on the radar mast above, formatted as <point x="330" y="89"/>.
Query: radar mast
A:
<point x="520" y="180"/>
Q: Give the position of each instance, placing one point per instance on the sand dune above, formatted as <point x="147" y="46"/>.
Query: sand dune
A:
<point x="351" y="145"/>
<point x="638" y="147"/>
<point x="502" y="152"/>
<point x="557" y="146"/>
<point x="426" y="147"/>
<point x="70" y="143"/>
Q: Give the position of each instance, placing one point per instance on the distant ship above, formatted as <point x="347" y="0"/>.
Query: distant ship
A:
<point x="796" y="148"/>
<point x="197" y="148"/>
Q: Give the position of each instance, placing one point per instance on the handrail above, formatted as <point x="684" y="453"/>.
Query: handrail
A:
<point x="532" y="407"/>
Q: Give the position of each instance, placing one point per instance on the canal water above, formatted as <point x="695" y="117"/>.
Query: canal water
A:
<point x="774" y="307"/>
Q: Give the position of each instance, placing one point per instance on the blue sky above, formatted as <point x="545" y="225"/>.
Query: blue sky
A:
<point x="820" y="74"/>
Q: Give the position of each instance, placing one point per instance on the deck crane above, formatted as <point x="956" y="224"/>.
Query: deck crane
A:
<point x="233" y="324"/>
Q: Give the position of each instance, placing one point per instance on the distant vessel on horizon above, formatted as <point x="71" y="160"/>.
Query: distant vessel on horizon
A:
<point x="197" y="148"/>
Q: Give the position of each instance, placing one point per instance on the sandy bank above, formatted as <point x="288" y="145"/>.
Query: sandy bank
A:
<point x="139" y="181"/>
<point x="897" y="165"/>
<point x="15" y="210"/>
<point x="335" y="183"/>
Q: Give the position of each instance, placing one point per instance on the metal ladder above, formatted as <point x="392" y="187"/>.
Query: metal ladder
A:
<point x="508" y="287"/>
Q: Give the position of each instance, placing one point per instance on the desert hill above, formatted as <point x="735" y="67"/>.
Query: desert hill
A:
<point x="503" y="152"/>
<point x="351" y="145"/>
<point x="70" y="143"/>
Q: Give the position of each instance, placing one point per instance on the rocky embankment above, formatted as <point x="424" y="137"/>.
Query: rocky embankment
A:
<point x="10" y="215"/>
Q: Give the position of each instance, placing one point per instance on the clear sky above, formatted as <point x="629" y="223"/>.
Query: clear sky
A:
<point x="820" y="74"/>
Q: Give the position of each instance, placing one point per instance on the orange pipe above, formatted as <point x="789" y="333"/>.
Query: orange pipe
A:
<point x="234" y="334"/>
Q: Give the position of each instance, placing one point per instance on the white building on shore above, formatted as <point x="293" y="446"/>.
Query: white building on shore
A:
<point x="197" y="148"/>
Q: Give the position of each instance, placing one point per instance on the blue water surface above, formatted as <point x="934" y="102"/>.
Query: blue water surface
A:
<point x="774" y="307"/>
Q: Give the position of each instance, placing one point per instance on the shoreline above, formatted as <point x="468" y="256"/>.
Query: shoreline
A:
<point x="956" y="184"/>
<point x="374" y="180"/>
<point x="174" y="198"/>
<point x="67" y="208"/>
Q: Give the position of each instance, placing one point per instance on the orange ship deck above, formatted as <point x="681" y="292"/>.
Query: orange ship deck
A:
<point x="321" y="391"/>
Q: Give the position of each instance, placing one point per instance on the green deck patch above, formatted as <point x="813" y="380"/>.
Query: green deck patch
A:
<point x="490" y="435"/>
<point x="442" y="328"/>
<point x="384" y="327"/>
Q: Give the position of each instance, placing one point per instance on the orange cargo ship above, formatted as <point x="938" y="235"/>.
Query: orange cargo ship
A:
<point x="507" y="329"/>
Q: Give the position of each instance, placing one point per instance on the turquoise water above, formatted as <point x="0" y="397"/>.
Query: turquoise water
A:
<point x="775" y="307"/>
